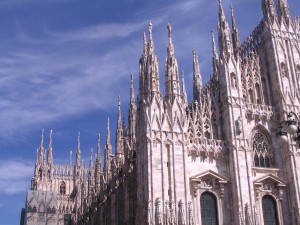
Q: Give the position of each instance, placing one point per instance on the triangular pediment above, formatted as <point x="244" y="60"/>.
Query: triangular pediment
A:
<point x="209" y="173"/>
<point x="272" y="178"/>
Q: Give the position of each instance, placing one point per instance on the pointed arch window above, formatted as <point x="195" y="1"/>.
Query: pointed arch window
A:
<point x="209" y="210"/>
<point x="62" y="188"/>
<point x="269" y="211"/>
<point x="261" y="153"/>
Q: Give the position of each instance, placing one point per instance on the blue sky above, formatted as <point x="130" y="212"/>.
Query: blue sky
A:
<point x="63" y="64"/>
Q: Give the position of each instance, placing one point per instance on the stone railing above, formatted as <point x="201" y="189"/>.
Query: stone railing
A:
<point x="261" y="112"/>
<point x="208" y="147"/>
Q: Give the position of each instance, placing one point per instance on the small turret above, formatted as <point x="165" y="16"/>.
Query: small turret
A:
<point x="149" y="75"/>
<point x="108" y="153"/>
<point x="50" y="157"/>
<point x="283" y="12"/>
<point x="78" y="152"/>
<point x="119" y="136"/>
<point x="184" y="95"/>
<point x="132" y="114"/>
<point x="41" y="154"/>
<point x="268" y="10"/>
<point x="98" y="166"/>
<point x="197" y="80"/>
<point x="172" y="84"/>
<point x="235" y="32"/>
<point x="215" y="57"/>
<point x="225" y="44"/>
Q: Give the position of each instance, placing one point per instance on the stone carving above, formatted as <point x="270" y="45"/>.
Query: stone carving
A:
<point x="233" y="81"/>
<point x="191" y="214"/>
<point x="248" y="219"/>
<point x="158" y="212"/>
<point x="238" y="125"/>
<point x="181" y="213"/>
<point x="283" y="70"/>
<point x="167" y="213"/>
<point x="149" y="213"/>
<point x="241" y="216"/>
<point x="172" y="213"/>
<point x="255" y="216"/>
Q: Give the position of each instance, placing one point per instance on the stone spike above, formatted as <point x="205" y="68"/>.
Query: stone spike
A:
<point x="197" y="80"/>
<point x="71" y="158"/>
<point x="42" y="139"/>
<point x="150" y="30"/>
<point x="50" y="140"/>
<point x="131" y="89"/>
<point x="145" y="43"/>
<point x="235" y="33"/>
<point x="98" y="147"/>
<point x="184" y="95"/>
<point x="108" y="132"/>
<point x="78" y="142"/>
<point x="215" y="54"/>
<point x="91" y="158"/>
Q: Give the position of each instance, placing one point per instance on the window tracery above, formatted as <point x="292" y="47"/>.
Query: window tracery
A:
<point x="62" y="188"/>
<point x="261" y="153"/>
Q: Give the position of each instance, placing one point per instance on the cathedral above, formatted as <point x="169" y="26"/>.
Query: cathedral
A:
<point x="231" y="156"/>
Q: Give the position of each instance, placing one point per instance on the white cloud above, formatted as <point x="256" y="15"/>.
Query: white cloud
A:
<point x="15" y="176"/>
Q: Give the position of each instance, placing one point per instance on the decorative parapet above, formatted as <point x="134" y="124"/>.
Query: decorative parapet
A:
<point x="261" y="112"/>
<point x="208" y="147"/>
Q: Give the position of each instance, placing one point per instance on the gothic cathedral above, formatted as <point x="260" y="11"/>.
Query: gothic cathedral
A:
<point x="220" y="159"/>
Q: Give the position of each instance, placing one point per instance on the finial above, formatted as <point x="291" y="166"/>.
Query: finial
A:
<point x="50" y="142"/>
<point x="42" y="138"/>
<point x="221" y="12"/>
<point x="71" y="158"/>
<point x="98" y="152"/>
<point x="78" y="141"/>
<point x="131" y="78"/>
<point x="91" y="158"/>
<point x="144" y="38"/>
<point x="150" y="30"/>
<point x="108" y="133"/>
<point x="108" y="128"/>
<point x="145" y="43"/>
<point x="119" y="103"/>
<point x="131" y="88"/>
<point x="169" y="27"/>
<point x="214" y="45"/>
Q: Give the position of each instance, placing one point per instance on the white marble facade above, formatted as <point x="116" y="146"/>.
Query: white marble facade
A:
<point x="177" y="157"/>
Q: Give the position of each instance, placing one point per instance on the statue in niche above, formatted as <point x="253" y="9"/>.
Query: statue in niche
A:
<point x="298" y="71"/>
<point x="238" y="125"/>
<point x="283" y="70"/>
<point x="233" y="81"/>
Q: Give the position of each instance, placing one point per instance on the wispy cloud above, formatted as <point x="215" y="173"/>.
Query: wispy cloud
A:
<point x="99" y="32"/>
<point x="15" y="176"/>
<point x="70" y="72"/>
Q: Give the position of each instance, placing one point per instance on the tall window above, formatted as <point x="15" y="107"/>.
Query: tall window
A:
<point x="269" y="211"/>
<point x="209" y="211"/>
<point x="261" y="151"/>
<point x="62" y="188"/>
